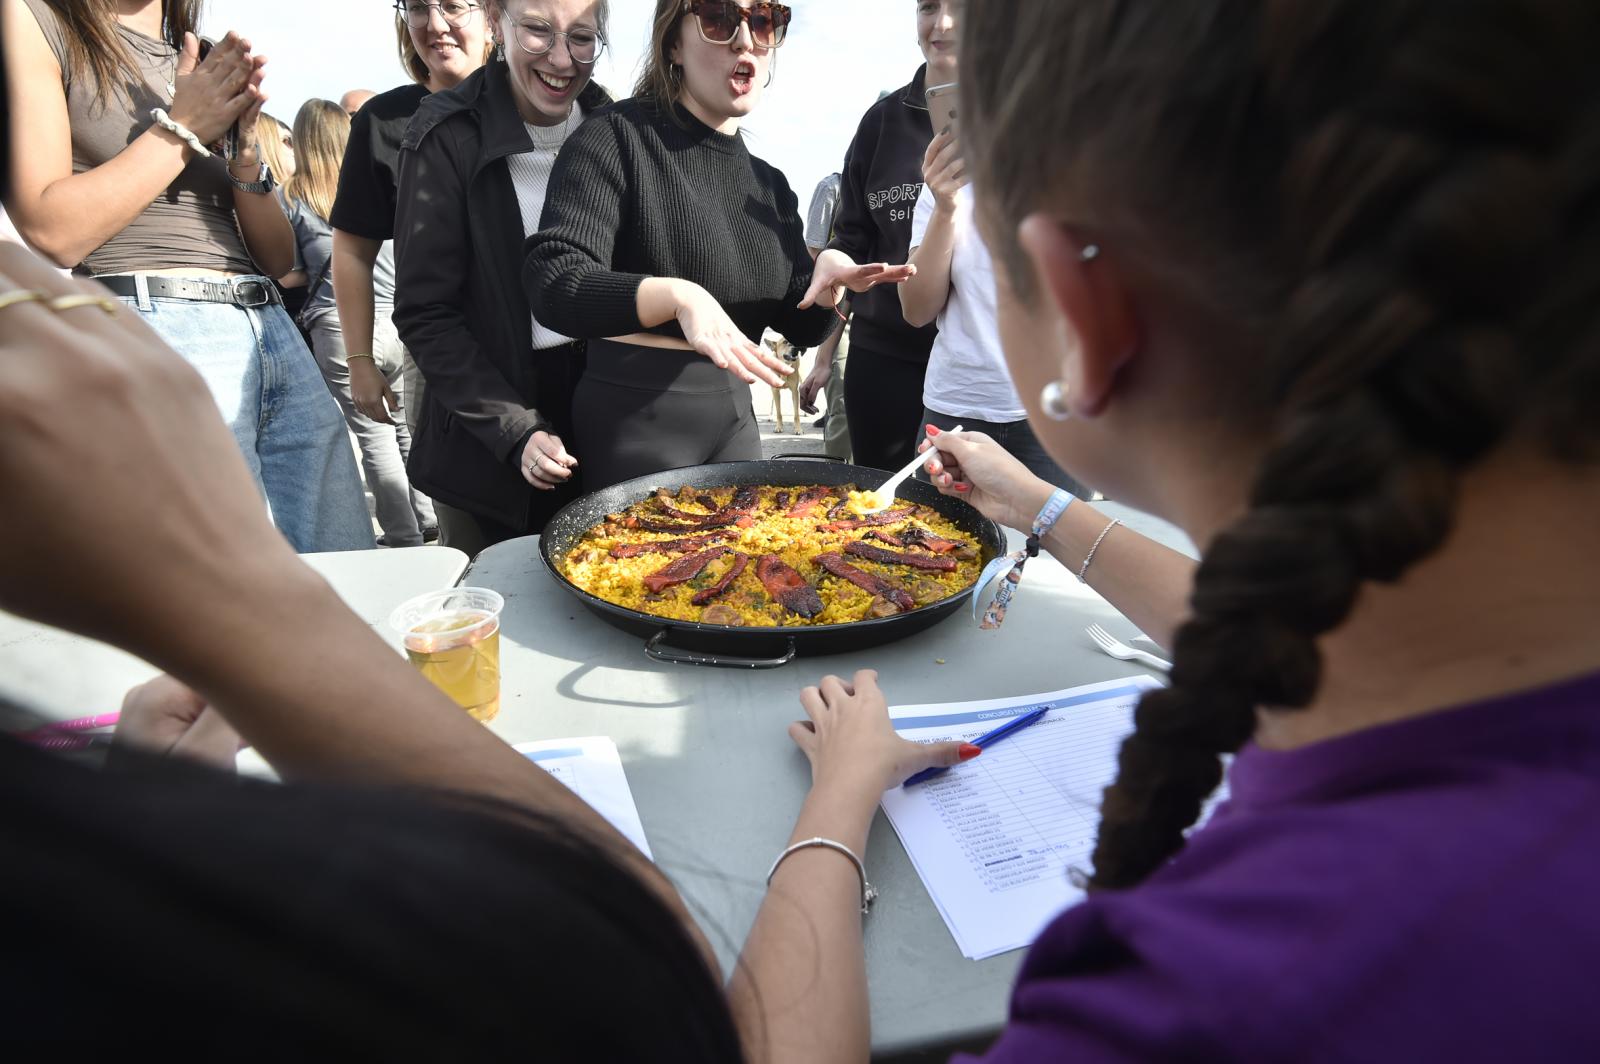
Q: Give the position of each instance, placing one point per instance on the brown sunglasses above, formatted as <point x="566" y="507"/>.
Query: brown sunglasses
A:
<point x="719" y="21"/>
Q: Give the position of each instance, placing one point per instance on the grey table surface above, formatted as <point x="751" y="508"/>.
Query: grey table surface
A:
<point x="60" y="676"/>
<point x="718" y="781"/>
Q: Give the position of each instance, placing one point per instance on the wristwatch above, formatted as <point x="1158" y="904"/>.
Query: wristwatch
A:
<point x="266" y="183"/>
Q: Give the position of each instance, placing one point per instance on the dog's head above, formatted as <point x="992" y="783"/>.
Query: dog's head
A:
<point x="784" y="349"/>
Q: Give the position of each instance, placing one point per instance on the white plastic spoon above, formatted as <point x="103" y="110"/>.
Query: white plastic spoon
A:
<point x="880" y="499"/>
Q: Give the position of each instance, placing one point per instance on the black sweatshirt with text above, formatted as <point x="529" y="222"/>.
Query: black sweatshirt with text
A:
<point x="878" y="191"/>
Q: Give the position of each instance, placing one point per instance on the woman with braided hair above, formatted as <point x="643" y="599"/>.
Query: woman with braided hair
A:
<point x="1319" y="281"/>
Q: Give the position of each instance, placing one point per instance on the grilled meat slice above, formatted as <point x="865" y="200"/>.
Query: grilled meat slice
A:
<point x="682" y="570"/>
<point x="888" y="517"/>
<point x="917" y="536"/>
<point x="834" y="563"/>
<point x="739" y="562"/>
<point x="668" y="546"/>
<point x="935" y="562"/>
<point x="787" y="587"/>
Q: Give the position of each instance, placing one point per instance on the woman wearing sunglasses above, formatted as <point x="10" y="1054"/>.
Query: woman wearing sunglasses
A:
<point x="671" y="247"/>
<point x="490" y="445"/>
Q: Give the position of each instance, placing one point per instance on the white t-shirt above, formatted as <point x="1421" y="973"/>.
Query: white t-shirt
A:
<point x="530" y="175"/>
<point x="967" y="375"/>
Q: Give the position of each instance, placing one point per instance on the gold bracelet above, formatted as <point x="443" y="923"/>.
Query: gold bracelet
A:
<point x="348" y="357"/>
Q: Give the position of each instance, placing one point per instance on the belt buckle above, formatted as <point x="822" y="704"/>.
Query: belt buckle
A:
<point x="250" y="293"/>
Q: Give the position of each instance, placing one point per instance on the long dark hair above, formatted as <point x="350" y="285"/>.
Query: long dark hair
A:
<point x="330" y="921"/>
<point x="1392" y="213"/>
<point x="94" y="49"/>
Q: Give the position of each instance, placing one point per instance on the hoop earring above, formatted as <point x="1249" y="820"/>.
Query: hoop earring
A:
<point x="1053" y="401"/>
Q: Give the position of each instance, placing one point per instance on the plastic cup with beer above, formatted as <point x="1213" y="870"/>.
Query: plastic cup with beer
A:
<point x="453" y="638"/>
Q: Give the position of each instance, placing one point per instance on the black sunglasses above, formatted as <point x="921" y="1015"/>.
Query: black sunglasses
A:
<point x="719" y="21"/>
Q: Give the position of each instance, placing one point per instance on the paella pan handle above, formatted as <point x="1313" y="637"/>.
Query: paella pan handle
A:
<point x="808" y="457"/>
<point x="673" y="656"/>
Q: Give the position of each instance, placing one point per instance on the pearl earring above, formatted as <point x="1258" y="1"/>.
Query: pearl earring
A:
<point x="1053" y="400"/>
<point x="1089" y="253"/>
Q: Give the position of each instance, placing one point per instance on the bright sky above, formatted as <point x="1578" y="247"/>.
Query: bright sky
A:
<point x="839" y="56"/>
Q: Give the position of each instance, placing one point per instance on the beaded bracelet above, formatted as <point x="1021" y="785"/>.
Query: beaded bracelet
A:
<point x="166" y="122"/>
<point x="1008" y="567"/>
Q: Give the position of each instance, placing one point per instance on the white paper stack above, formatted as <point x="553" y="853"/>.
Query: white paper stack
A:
<point x="993" y="838"/>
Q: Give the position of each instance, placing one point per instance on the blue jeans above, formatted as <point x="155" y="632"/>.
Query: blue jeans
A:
<point x="273" y="398"/>
<point x="403" y="512"/>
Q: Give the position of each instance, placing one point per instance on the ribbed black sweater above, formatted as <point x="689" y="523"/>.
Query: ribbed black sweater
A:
<point x="634" y="195"/>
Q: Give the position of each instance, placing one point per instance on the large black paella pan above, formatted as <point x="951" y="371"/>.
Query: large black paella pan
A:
<point x="708" y="644"/>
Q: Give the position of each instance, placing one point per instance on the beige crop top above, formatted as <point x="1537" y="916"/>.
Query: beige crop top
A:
<point x="192" y="223"/>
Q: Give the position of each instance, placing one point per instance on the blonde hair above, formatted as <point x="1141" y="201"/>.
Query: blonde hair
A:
<point x="269" y="136"/>
<point x="321" y="130"/>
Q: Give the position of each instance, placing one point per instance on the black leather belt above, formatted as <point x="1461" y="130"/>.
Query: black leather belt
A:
<point x="241" y="291"/>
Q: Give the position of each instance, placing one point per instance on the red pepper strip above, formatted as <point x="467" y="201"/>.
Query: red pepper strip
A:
<point x="808" y="501"/>
<point x="787" y="587"/>
<point x="869" y="582"/>
<point x="667" y="546"/>
<point x="888" y="517"/>
<point x="890" y="557"/>
<point x="886" y="537"/>
<point x="685" y="568"/>
<point x="739" y="562"/>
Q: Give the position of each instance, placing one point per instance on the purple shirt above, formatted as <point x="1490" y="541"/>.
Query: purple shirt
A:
<point x="1426" y="890"/>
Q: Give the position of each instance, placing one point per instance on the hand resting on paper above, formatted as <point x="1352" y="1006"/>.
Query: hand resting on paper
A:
<point x="853" y="747"/>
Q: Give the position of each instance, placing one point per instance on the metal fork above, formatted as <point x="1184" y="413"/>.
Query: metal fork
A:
<point x="1115" y="647"/>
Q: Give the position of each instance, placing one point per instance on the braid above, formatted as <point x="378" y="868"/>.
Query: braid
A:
<point x="1437" y="194"/>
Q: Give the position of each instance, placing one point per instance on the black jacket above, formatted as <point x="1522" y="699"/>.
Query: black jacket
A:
<point x="461" y="311"/>
<point x="878" y="191"/>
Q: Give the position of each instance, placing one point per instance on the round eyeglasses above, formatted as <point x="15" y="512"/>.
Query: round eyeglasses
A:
<point x="417" y="12"/>
<point x="536" y="38"/>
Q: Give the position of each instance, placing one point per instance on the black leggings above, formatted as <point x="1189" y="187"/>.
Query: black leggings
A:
<point x="883" y="403"/>
<point x="643" y="410"/>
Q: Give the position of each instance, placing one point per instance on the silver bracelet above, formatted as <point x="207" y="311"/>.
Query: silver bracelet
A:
<point x="869" y="893"/>
<point x="1104" y="532"/>
<point x="165" y="121"/>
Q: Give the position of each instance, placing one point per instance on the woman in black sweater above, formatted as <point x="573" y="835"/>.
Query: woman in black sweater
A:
<point x="671" y="248"/>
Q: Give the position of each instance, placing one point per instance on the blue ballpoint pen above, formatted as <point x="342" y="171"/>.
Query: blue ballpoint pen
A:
<point x="1015" y="724"/>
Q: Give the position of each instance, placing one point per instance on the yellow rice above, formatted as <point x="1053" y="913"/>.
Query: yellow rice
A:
<point x="796" y="540"/>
